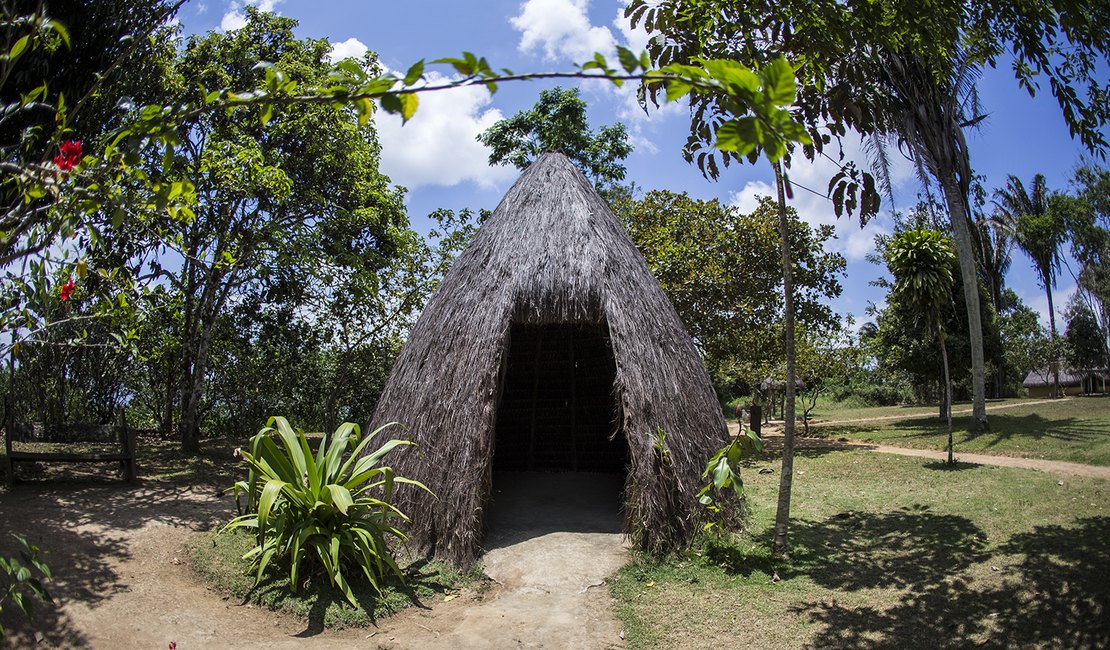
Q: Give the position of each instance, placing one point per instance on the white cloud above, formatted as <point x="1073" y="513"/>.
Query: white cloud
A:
<point x="438" y="146"/>
<point x="815" y="209"/>
<point x="235" y="18"/>
<point x="350" y="48"/>
<point x="562" y="29"/>
<point x="1038" y="301"/>
<point x="202" y="8"/>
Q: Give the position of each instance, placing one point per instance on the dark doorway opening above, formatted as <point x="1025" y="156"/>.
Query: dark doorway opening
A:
<point x="559" y="454"/>
<point x="557" y="411"/>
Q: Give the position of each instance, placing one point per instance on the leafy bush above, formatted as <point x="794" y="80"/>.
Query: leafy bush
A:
<point x="722" y="473"/>
<point x="331" y="510"/>
<point x="18" y="581"/>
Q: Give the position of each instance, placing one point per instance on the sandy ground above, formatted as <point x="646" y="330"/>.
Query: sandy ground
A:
<point x="122" y="580"/>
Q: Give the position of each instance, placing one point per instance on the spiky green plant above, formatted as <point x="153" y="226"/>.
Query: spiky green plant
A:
<point x="334" y="507"/>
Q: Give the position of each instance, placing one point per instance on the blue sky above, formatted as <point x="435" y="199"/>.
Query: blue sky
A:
<point x="437" y="158"/>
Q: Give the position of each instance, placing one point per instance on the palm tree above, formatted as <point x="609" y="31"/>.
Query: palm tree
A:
<point x="994" y="237"/>
<point x="921" y="262"/>
<point x="925" y="105"/>
<point x="1039" y="231"/>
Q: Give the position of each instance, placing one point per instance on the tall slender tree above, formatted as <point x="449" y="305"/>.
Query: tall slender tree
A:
<point x="1040" y="233"/>
<point x="921" y="262"/>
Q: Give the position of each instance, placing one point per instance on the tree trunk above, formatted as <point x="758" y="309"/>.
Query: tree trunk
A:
<point x="961" y="236"/>
<point x="947" y="391"/>
<point x="1055" y="345"/>
<point x="786" y="476"/>
<point x="166" y="425"/>
<point x="191" y="396"/>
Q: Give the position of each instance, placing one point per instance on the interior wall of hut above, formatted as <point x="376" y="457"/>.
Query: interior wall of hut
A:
<point x="557" y="411"/>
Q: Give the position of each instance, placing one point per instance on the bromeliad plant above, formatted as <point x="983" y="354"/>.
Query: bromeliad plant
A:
<point x="333" y="507"/>
<point x="722" y="473"/>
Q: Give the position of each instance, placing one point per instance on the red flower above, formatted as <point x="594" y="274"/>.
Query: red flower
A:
<point x="70" y="155"/>
<point x="67" y="289"/>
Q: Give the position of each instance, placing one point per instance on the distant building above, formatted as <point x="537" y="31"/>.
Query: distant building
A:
<point x="1038" y="383"/>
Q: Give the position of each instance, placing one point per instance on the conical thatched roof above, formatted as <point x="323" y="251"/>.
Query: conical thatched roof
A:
<point x="552" y="253"/>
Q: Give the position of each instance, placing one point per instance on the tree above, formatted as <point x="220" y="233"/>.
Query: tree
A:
<point x="1040" y="232"/>
<point x="1088" y="223"/>
<point x="883" y="68"/>
<point x="288" y="209"/>
<point x="558" y="122"/>
<point x="825" y="355"/>
<point x="921" y="262"/>
<point x="1085" y="346"/>
<point x="722" y="271"/>
<point x="98" y="189"/>
<point x="1026" y="345"/>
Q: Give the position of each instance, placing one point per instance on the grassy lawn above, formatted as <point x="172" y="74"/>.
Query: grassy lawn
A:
<point x="890" y="552"/>
<point x="830" y="410"/>
<point x="1076" y="430"/>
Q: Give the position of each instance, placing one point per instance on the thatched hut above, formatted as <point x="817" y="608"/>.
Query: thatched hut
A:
<point x="550" y="347"/>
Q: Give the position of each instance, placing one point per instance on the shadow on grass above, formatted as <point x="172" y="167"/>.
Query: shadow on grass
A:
<point x="943" y="466"/>
<point x="910" y="548"/>
<point x="1004" y="428"/>
<point x="1056" y="595"/>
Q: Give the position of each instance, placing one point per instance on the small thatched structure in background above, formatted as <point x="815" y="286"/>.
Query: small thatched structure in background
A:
<point x="549" y="346"/>
<point x="1039" y="382"/>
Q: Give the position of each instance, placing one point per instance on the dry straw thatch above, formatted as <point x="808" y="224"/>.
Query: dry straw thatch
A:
<point x="552" y="254"/>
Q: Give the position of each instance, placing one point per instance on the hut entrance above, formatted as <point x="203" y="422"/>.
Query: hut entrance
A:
<point x="559" y="457"/>
<point x="557" y="412"/>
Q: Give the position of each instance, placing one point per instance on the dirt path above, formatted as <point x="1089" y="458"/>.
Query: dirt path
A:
<point x="122" y="580"/>
<point x="1039" y="464"/>
<point x="774" y="441"/>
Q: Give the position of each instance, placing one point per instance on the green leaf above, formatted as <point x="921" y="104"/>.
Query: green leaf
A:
<point x="462" y="66"/>
<point x="629" y="61"/>
<point x="721" y="474"/>
<point x="733" y="75"/>
<point x="59" y="29"/>
<point x="781" y="88"/>
<point x="741" y="135"/>
<point x="677" y="89"/>
<point x="391" y="104"/>
<point x="19" y="46"/>
<point x="415" y="73"/>
<point x="409" y="102"/>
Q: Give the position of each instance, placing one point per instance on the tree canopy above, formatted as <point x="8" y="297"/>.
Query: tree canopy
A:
<point x="558" y="122"/>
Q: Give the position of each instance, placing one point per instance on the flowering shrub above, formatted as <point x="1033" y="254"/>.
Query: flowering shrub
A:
<point x="66" y="290"/>
<point x="70" y="155"/>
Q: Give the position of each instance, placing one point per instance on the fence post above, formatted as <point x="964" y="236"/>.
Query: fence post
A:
<point x="127" y="445"/>
<point x="10" y="476"/>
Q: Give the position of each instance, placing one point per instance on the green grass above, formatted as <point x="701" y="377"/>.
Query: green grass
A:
<point x="829" y="410"/>
<point x="889" y="552"/>
<point x="1075" y="430"/>
<point x="218" y="559"/>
